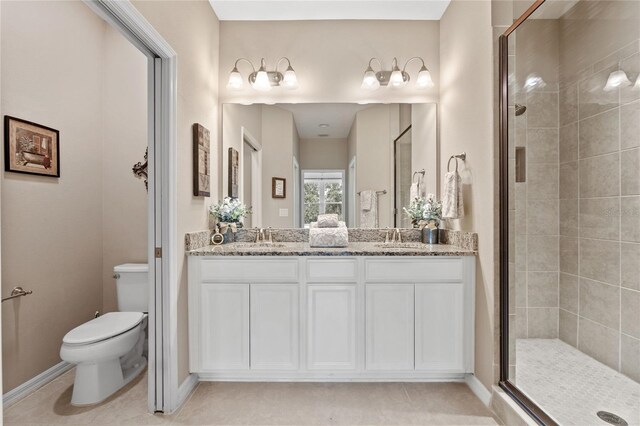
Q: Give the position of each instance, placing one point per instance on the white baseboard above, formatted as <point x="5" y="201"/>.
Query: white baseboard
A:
<point x="186" y="388"/>
<point x="478" y="389"/>
<point x="27" y="388"/>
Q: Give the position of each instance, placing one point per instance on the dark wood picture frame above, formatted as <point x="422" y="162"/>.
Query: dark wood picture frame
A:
<point x="234" y="173"/>
<point x="275" y="192"/>
<point x="45" y="155"/>
<point x="201" y="161"/>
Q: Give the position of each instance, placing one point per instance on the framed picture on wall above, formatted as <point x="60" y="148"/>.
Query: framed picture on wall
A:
<point x="31" y="148"/>
<point x="201" y="161"/>
<point x="234" y="170"/>
<point x="278" y="187"/>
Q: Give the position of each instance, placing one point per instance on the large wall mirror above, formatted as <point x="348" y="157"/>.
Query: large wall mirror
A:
<point x="327" y="154"/>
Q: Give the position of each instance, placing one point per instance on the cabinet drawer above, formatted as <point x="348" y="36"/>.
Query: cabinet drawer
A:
<point x="412" y="270"/>
<point x="331" y="270"/>
<point x="249" y="270"/>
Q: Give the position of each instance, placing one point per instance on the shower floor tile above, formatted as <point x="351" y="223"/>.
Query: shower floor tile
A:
<point x="571" y="386"/>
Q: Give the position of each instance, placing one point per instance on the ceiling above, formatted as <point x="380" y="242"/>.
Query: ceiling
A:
<point x="308" y="117"/>
<point x="301" y="10"/>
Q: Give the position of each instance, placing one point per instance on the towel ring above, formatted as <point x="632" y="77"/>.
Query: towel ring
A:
<point x="462" y="156"/>
<point x="449" y="163"/>
<point x="421" y="173"/>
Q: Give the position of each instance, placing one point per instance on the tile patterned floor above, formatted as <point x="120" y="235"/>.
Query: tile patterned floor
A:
<point x="571" y="386"/>
<point x="264" y="404"/>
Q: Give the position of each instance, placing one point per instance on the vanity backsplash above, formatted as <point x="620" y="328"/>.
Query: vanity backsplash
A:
<point x="461" y="239"/>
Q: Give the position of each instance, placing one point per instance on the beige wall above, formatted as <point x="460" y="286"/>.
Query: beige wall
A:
<point x="328" y="154"/>
<point x="192" y="30"/>
<point x="235" y="117"/>
<point x="277" y="161"/>
<point x="466" y="124"/>
<point x="376" y="128"/>
<point x="63" y="239"/>
<point x="329" y="57"/>
<point x="424" y="145"/>
<point x="124" y="140"/>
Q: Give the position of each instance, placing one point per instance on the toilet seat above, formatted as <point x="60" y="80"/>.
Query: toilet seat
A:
<point x="103" y="328"/>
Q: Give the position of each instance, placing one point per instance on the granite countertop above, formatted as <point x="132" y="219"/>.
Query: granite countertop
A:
<point x="354" y="249"/>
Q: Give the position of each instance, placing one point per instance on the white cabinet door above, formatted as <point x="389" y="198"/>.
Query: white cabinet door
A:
<point x="389" y="326"/>
<point x="331" y="322"/>
<point x="440" y="327"/>
<point x="274" y="326"/>
<point x="225" y="327"/>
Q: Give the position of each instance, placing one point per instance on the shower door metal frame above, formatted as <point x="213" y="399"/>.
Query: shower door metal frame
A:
<point x="535" y="411"/>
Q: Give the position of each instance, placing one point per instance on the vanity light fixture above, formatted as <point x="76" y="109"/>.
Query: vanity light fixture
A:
<point x="396" y="77"/>
<point x="617" y="79"/>
<point x="262" y="79"/>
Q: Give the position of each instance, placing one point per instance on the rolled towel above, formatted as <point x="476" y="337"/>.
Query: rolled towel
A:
<point x="328" y="220"/>
<point x="329" y="237"/>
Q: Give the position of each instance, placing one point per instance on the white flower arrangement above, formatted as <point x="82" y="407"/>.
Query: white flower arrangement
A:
<point x="229" y="210"/>
<point x="425" y="212"/>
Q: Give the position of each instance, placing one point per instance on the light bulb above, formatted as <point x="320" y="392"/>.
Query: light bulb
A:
<point x="261" y="83"/>
<point x="290" y="80"/>
<point x="396" y="79"/>
<point x="235" y="80"/>
<point x="424" y="78"/>
<point x="370" y="81"/>
<point x="616" y="80"/>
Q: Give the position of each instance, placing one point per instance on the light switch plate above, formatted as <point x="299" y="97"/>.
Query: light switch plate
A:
<point x="284" y="212"/>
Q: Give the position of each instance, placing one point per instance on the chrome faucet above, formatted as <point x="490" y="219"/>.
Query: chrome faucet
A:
<point x="261" y="236"/>
<point x="397" y="236"/>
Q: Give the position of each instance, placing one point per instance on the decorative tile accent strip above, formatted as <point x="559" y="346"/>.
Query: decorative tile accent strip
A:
<point x="196" y="240"/>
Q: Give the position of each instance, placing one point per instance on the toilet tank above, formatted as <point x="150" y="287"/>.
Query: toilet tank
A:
<point x="132" y="286"/>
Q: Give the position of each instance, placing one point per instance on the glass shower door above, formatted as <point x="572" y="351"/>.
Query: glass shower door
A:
<point x="573" y="211"/>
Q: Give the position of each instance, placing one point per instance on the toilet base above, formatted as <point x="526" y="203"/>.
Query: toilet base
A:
<point x="96" y="382"/>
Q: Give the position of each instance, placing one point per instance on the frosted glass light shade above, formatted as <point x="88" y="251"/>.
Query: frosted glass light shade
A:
<point x="396" y="79"/>
<point x="616" y="80"/>
<point x="370" y="81"/>
<point x="424" y="78"/>
<point x="235" y="80"/>
<point x="290" y="80"/>
<point x="261" y="82"/>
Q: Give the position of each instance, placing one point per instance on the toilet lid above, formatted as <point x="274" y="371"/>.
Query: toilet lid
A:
<point x="103" y="327"/>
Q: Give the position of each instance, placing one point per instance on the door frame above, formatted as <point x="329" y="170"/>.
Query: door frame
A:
<point x="163" y="386"/>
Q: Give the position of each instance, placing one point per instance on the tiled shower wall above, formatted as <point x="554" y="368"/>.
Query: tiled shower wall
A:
<point x="575" y="271"/>
<point x="600" y="213"/>
<point x="536" y="199"/>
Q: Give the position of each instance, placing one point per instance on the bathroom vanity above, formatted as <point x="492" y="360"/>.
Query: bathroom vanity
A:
<point x="366" y="312"/>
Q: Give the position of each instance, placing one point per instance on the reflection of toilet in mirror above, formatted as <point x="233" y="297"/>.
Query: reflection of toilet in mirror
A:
<point x="110" y="351"/>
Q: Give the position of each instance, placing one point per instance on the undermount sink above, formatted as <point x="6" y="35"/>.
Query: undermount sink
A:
<point x="257" y="245"/>
<point x="401" y="245"/>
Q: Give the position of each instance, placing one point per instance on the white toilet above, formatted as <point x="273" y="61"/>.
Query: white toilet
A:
<point x="109" y="351"/>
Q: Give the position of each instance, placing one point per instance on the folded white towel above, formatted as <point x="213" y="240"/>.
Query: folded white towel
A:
<point x="414" y="191"/>
<point x="366" y="200"/>
<point x="328" y="237"/>
<point x="368" y="209"/>
<point x="452" y="204"/>
<point x="328" y="220"/>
